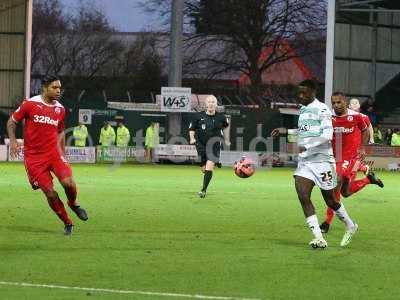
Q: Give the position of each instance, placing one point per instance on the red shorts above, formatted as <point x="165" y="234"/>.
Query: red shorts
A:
<point x="348" y="168"/>
<point x="39" y="171"/>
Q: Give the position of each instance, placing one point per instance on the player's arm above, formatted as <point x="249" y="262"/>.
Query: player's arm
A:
<point x="371" y="134"/>
<point x="61" y="135"/>
<point x="61" y="140"/>
<point x="363" y="125"/>
<point x="11" y="129"/>
<point x="20" y="114"/>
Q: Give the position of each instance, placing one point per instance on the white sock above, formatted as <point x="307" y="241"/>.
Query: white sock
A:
<point x="312" y="222"/>
<point x="344" y="216"/>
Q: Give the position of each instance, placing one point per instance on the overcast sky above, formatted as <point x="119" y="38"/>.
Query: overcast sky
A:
<point x="124" y="15"/>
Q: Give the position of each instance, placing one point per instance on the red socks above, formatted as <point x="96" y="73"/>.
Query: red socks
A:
<point x="58" y="207"/>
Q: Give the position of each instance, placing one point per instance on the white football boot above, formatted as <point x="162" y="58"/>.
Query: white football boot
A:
<point x="318" y="243"/>
<point x="348" y="235"/>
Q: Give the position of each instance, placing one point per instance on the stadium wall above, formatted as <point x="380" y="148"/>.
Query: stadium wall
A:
<point x="246" y="124"/>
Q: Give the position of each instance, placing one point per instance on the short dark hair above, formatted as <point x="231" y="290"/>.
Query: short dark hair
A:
<point x="309" y="84"/>
<point x="338" y="93"/>
<point x="49" y="79"/>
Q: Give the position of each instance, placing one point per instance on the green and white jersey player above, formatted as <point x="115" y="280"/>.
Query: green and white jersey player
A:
<point x="316" y="164"/>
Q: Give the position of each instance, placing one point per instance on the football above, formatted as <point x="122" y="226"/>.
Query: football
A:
<point x="244" y="168"/>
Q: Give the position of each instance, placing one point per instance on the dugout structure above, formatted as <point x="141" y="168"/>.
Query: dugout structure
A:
<point x="15" y="43"/>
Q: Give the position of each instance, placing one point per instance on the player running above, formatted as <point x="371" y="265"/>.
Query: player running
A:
<point x="44" y="145"/>
<point x="351" y="132"/>
<point x="316" y="164"/>
<point x="206" y="132"/>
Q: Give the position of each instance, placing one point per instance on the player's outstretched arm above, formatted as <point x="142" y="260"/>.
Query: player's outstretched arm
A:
<point x="11" y="129"/>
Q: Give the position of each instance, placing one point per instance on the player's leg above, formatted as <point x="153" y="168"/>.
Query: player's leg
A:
<point x="340" y="211"/>
<point x="208" y="173"/>
<point x="63" y="172"/>
<point x="363" y="167"/>
<point x="330" y="213"/>
<point x="70" y="189"/>
<point x="357" y="185"/>
<point x="353" y="185"/>
<point x="40" y="178"/>
<point x="212" y="155"/>
<point x="201" y="151"/>
<point x="304" y="187"/>
<point x="57" y="206"/>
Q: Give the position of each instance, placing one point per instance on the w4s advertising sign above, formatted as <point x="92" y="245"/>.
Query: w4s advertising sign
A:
<point x="176" y="99"/>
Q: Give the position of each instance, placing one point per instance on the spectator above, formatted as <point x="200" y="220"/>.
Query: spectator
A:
<point x="378" y="137"/>
<point x="372" y="115"/>
<point x="151" y="140"/>
<point x="396" y="138"/>
<point x="388" y="136"/>
<point x="107" y="135"/>
<point x="369" y="108"/>
<point x="123" y="135"/>
<point x="80" y="135"/>
<point x="354" y="104"/>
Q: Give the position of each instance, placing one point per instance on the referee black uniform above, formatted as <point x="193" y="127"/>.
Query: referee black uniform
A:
<point x="209" y="135"/>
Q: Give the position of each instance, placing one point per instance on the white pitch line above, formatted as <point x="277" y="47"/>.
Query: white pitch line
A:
<point x="49" y="286"/>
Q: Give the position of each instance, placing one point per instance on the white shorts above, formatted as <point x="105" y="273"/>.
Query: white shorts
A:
<point x="322" y="174"/>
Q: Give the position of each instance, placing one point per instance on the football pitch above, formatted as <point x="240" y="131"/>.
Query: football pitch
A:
<point x="150" y="237"/>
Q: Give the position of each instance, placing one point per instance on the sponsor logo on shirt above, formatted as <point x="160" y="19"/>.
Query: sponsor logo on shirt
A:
<point x="45" y="120"/>
<point x="343" y="130"/>
<point x="304" y="127"/>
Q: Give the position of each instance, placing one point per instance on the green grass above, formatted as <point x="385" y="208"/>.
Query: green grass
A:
<point x="148" y="231"/>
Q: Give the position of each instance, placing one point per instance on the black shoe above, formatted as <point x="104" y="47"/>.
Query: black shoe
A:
<point x="324" y="227"/>
<point x="374" y="180"/>
<point x="80" y="212"/>
<point x="202" y="194"/>
<point x="219" y="165"/>
<point x="68" y="229"/>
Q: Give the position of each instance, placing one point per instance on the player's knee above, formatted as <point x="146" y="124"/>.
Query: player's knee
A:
<point x="68" y="183"/>
<point x="304" y="197"/>
<point x="51" y="194"/>
<point x="334" y="205"/>
<point x="346" y="194"/>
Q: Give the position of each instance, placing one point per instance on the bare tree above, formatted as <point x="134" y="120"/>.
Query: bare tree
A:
<point x="144" y="49"/>
<point x="49" y="24"/>
<point x="233" y="35"/>
<point x="73" y="46"/>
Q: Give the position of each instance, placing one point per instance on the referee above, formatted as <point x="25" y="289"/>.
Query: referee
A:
<point x="207" y="131"/>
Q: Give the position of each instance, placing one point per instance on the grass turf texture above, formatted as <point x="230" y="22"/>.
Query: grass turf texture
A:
<point x="149" y="231"/>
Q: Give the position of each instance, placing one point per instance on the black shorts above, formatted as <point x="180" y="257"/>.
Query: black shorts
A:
<point x="212" y="152"/>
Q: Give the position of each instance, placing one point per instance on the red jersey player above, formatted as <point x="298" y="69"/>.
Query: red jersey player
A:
<point x="44" y="148"/>
<point x="350" y="133"/>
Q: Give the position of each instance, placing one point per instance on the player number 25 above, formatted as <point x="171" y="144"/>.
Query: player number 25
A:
<point x="327" y="176"/>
